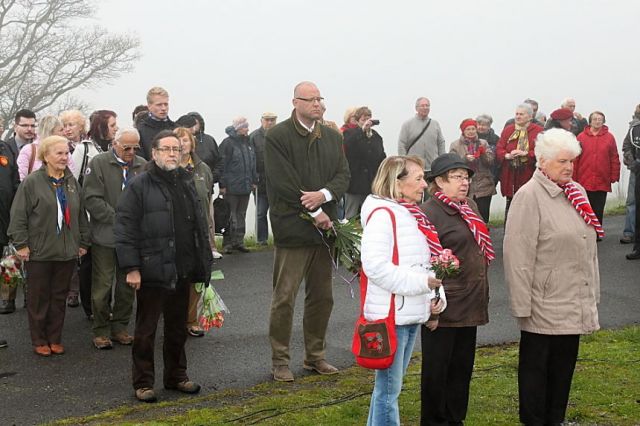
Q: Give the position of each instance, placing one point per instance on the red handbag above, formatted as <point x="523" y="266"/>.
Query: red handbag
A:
<point x="374" y="342"/>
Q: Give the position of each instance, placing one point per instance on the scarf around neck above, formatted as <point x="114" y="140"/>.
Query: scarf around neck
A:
<point x="63" y="213"/>
<point x="521" y="134"/>
<point x="425" y="226"/>
<point x="476" y="225"/>
<point x="581" y="204"/>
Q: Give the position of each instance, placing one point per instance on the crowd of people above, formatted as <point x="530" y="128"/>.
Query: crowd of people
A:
<point x="107" y="215"/>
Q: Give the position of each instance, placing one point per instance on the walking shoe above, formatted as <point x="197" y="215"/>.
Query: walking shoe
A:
<point x="242" y="249"/>
<point x="102" y="342"/>
<point x="281" y="373"/>
<point x="56" y="348"/>
<point x="320" y="367"/>
<point x="122" y="337"/>
<point x="3" y="344"/>
<point x="72" y="301"/>
<point x="7" y="306"/>
<point x="195" y="331"/>
<point x="625" y="239"/>
<point x="216" y="254"/>
<point x="634" y="255"/>
<point x="186" y="386"/>
<point x="43" y="350"/>
<point x="146" y="395"/>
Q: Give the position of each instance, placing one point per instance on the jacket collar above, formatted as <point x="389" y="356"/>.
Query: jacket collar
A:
<point x="551" y="187"/>
<point x="316" y="134"/>
<point x="447" y="209"/>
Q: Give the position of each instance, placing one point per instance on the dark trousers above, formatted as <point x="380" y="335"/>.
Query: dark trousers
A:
<point x="545" y="370"/>
<point x="597" y="199"/>
<point x="448" y="354"/>
<point x="506" y="209"/>
<point x="636" y="246"/>
<point x="48" y="284"/>
<point x="172" y="304"/>
<point x="484" y="206"/>
<point x="262" y="208"/>
<point x="238" y="204"/>
<point x="84" y="276"/>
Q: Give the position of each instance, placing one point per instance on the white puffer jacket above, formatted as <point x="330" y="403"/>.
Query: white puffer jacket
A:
<point x="407" y="280"/>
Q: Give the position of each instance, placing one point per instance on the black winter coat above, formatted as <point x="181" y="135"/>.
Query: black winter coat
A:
<point x="9" y="182"/>
<point x="364" y="156"/>
<point x="148" y="128"/>
<point x="145" y="234"/>
<point x="239" y="170"/>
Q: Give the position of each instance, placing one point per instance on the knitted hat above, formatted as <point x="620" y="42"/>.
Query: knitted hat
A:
<point x="468" y="122"/>
<point x="240" y="123"/>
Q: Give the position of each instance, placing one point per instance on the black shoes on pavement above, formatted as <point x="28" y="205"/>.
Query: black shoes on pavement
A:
<point x="7" y="306"/>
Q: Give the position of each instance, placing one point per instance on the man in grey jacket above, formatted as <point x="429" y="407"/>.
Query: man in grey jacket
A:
<point x="105" y="179"/>
<point x="421" y="135"/>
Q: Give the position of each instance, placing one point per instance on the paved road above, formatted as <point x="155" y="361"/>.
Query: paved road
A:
<point x="85" y="380"/>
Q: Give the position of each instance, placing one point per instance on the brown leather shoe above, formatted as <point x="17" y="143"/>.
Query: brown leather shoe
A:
<point x="281" y="373"/>
<point x="122" y="337"/>
<point x="102" y="342"/>
<point x="56" y="349"/>
<point x="320" y="367"/>
<point x="43" y="350"/>
<point x="146" y="395"/>
<point x="186" y="386"/>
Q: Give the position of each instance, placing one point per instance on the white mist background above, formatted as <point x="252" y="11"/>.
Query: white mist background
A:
<point x="230" y="58"/>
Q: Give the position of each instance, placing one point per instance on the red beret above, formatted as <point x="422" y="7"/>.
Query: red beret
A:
<point x="562" y="114"/>
<point x="468" y="122"/>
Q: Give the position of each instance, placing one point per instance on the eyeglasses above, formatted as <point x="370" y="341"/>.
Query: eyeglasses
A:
<point x="168" y="149"/>
<point x="130" y="147"/>
<point x="459" y="178"/>
<point x="316" y="99"/>
<point x="32" y="126"/>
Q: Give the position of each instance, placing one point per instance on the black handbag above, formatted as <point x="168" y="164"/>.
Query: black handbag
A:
<point x="221" y="215"/>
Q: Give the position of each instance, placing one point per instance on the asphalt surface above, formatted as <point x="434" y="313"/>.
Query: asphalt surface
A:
<point x="86" y="381"/>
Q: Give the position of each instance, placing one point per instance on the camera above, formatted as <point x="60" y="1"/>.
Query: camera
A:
<point x="375" y="122"/>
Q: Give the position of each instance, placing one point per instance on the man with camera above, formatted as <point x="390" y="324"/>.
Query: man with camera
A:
<point x="364" y="150"/>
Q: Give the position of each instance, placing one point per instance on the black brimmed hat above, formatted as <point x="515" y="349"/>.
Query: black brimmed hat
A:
<point x="446" y="162"/>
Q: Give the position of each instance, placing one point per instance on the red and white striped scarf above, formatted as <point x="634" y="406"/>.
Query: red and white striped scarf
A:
<point x="582" y="206"/>
<point x="476" y="225"/>
<point x="425" y="226"/>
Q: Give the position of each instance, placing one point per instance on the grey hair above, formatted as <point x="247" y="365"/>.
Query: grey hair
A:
<point x="550" y="142"/>
<point x="485" y="118"/>
<point x="46" y="126"/>
<point x="540" y="115"/>
<point x="126" y="130"/>
<point x="565" y="101"/>
<point x="421" y="98"/>
<point x="527" y="108"/>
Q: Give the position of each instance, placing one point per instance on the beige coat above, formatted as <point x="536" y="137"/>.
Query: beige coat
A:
<point x="550" y="262"/>
<point x="482" y="184"/>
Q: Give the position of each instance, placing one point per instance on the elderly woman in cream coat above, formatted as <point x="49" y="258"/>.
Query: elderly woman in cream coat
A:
<point x="396" y="190"/>
<point x="551" y="268"/>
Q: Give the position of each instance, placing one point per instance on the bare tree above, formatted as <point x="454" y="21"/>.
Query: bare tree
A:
<point x="45" y="53"/>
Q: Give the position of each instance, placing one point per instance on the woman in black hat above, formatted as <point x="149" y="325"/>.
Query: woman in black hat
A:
<point x="448" y="350"/>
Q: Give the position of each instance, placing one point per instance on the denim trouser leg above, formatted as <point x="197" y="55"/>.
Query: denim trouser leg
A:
<point x="262" y="207"/>
<point x="629" y="223"/>
<point x="384" y="400"/>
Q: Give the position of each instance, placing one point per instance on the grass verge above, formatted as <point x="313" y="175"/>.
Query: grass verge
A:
<point x="605" y="391"/>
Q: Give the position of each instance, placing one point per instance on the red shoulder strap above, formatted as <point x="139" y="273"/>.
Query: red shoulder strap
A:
<point x="394" y="258"/>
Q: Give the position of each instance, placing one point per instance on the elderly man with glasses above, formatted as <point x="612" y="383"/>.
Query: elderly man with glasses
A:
<point x="106" y="178"/>
<point x="162" y="243"/>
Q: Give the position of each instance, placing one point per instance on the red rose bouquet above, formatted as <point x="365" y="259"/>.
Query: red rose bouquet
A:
<point x="11" y="267"/>
<point x="211" y="308"/>
<point x="445" y="265"/>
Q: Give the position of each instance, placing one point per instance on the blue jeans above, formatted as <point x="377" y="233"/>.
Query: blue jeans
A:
<point x="384" y="409"/>
<point x="262" y="207"/>
<point x="630" y="220"/>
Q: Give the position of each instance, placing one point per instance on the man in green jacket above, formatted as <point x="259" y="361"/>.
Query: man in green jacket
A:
<point x="306" y="173"/>
<point x="105" y="179"/>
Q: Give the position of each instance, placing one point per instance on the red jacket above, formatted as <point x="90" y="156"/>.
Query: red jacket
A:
<point x="599" y="165"/>
<point x="512" y="178"/>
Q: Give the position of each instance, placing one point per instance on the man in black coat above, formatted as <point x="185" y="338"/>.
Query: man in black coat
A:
<point x="24" y="128"/>
<point x="161" y="238"/>
<point x="155" y="121"/>
<point x="8" y="184"/>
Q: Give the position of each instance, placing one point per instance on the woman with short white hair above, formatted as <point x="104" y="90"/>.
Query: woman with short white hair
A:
<point x="551" y="269"/>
